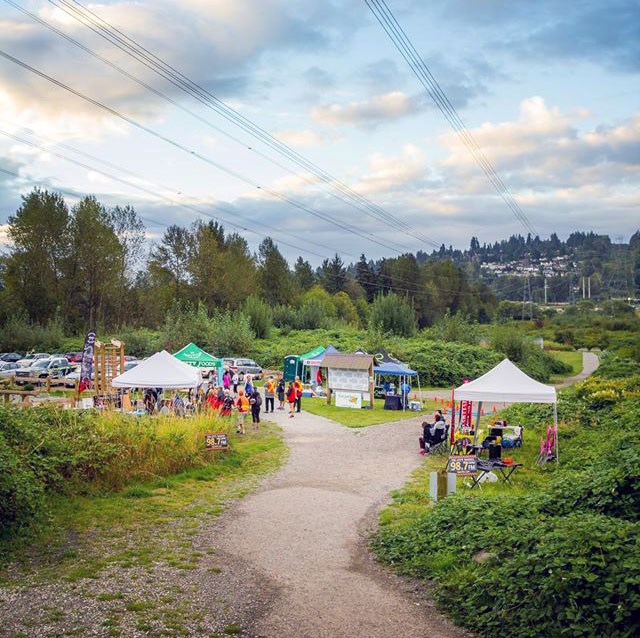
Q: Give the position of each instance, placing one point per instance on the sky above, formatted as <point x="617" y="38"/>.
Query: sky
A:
<point x="549" y="91"/>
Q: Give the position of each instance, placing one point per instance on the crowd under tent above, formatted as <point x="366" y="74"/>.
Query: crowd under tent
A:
<point x="506" y="383"/>
<point x="194" y="356"/>
<point x="162" y="370"/>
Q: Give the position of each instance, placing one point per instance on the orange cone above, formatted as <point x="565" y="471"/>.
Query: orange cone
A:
<point x="482" y="412"/>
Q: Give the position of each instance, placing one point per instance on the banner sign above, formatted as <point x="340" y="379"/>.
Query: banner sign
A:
<point x="348" y="399"/>
<point x="219" y="441"/>
<point x="86" y="366"/>
<point x="465" y="416"/>
<point x="463" y="465"/>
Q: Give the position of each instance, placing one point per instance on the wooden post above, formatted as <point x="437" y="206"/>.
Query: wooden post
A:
<point x="371" y="385"/>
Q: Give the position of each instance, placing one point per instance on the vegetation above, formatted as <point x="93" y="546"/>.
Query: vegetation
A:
<point x="555" y="555"/>
<point x="47" y="452"/>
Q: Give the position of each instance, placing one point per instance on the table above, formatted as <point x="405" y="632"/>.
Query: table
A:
<point x="393" y="402"/>
<point x="505" y="470"/>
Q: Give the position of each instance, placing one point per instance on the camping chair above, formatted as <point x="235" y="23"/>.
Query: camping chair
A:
<point x="548" y="446"/>
<point x="435" y="442"/>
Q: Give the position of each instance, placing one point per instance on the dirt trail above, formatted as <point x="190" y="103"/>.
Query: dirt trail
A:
<point x="304" y="531"/>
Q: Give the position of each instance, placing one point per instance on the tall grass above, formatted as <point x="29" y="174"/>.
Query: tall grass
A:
<point x="46" y="451"/>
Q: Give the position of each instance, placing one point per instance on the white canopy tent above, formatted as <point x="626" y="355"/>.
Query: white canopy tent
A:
<point x="162" y="370"/>
<point x="506" y="383"/>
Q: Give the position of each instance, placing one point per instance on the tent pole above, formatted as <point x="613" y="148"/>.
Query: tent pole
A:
<point x="555" y="423"/>
<point x="420" y="392"/>
<point x="475" y="432"/>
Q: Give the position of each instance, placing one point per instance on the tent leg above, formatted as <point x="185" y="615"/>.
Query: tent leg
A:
<point x="555" y="423"/>
<point x="475" y="431"/>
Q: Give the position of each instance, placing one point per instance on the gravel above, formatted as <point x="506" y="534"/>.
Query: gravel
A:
<point x="289" y="560"/>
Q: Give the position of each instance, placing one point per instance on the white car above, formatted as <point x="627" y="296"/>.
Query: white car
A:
<point x="8" y="368"/>
<point x="30" y="359"/>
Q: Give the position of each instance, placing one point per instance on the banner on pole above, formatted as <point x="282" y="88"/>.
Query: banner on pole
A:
<point x="86" y="366"/>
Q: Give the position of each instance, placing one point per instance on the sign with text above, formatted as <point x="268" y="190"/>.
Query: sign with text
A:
<point x="348" y="399"/>
<point x="217" y="441"/>
<point x="466" y="465"/>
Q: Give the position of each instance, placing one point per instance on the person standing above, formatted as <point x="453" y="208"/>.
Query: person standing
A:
<point x="226" y="380"/>
<point x="269" y="394"/>
<point x="280" y="390"/>
<point x="255" y="400"/>
<point x="235" y="379"/>
<point x="248" y="385"/>
<point x="291" y="398"/>
<point x="242" y="403"/>
<point x="298" y="386"/>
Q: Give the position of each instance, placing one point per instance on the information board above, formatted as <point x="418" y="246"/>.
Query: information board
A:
<point x="218" y="441"/>
<point x="464" y="465"/>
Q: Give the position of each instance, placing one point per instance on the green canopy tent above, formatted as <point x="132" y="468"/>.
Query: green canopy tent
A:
<point x="198" y="358"/>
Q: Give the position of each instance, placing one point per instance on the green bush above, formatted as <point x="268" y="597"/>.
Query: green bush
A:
<point x="393" y="314"/>
<point x="259" y="315"/>
<point x="559" y="560"/>
<point x="140" y="342"/>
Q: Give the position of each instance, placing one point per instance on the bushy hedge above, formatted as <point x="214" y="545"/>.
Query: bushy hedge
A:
<point x="558" y="560"/>
<point x="48" y="450"/>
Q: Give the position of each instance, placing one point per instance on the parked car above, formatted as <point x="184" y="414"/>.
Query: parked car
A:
<point x="8" y="368"/>
<point x="247" y="366"/>
<point x="55" y="367"/>
<point x="10" y="356"/>
<point x="74" y="357"/>
<point x="74" y="375"/>
<point x="28" y="359"/>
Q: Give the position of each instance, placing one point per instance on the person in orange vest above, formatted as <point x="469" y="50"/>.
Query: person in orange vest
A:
<point x="269" y="394"/>
<point x="242" y="404"/>
<point x="298" y="386"/>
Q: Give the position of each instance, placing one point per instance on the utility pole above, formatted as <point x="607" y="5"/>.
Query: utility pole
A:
<point x="589" y="285"/>
<point x="545" y="291"/>
<point x="583" y="286"/>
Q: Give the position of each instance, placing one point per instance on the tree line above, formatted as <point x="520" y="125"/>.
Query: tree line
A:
<point x="89" y="264"/>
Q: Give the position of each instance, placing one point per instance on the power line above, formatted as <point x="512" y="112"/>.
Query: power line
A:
<point x="156" y="92"/>
<point x="148" y="191"/>
<point x="401" y="41"/>
<point x="128" y="45"/>
<point x="195" y="154"/>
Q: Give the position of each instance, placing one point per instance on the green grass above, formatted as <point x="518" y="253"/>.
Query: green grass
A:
<point x="353" y="418"/>
<point x="146" y="523"/>
<point x="574" y="359"/>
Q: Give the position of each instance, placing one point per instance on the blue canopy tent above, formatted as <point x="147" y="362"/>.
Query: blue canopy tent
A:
<point x="401" y="370"/>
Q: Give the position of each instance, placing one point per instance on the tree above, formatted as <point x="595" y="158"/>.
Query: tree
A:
<point x="169" y="261"/>
<point x="95" y="263"/>
<point x="366" y="277"/>
<point x="394" y="314"/>
<point x="275" y="277"/>
<point x="303" y="275"/>
<point x="35" y="267"/>
<point x="333" y="274"/>
<point x="206" y="263"/>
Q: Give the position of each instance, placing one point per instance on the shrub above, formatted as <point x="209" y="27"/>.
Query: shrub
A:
<point x="140" y="342"/>
<point x="230" y="334"/>
<point x="457" y="327"/>
<point x="393" y="314"/>
<point x="259" y="315"/>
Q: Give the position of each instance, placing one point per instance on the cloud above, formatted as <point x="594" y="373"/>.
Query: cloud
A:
<point x="214" y="41"/>
<point x="304" y="138"/>
<point x="391" y="173"/>
<point x="371" y="112"/>
<point x="604" y="33"/>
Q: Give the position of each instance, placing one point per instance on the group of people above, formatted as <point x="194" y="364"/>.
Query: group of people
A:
<point x="433" y="433"/>
<point x="237" y="392"/>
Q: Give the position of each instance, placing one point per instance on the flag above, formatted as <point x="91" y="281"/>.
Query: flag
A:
<point x="87" y="361"/>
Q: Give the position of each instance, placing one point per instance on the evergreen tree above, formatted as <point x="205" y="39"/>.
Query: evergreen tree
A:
<point x="366" y="277"/>
<point x="333" y="274"/>
<point x="275" y="277"/>
<point x="303" y="275"/>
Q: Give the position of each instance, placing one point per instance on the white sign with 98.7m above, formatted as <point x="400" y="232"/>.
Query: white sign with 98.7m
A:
<point x="462" y="465"/>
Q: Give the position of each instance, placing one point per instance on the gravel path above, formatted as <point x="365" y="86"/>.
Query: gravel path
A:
<point x="590" y="363"/>
<point x="305" y="533"/>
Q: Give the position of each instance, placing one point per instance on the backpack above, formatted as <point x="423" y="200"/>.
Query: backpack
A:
<point x="258" y="402"/>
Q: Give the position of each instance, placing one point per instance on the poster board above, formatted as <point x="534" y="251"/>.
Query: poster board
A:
<point x="348" y="399"/>
<point x="343" y="379"/>
<point x="216" y="441"/>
